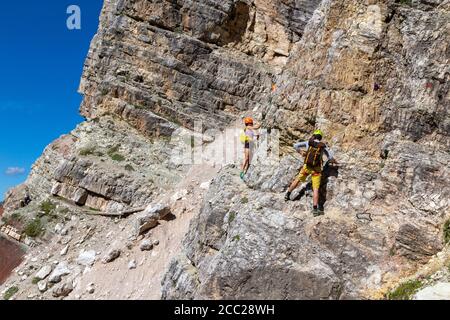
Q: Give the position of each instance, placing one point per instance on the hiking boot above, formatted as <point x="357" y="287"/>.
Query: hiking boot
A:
<point x="317" y="212"/>
<point x="287" y="196"/>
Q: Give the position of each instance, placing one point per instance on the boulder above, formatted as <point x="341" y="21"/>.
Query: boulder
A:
<point x="42" y="286"/>
<point x="112" y="255"/>
<point x="62" y="290"/>
<point x="43" y="272"/>
<point x="150" y="217"/>
<point x="146" y="245"/>
<point x="86" y="258"/>
<point x="60" y="270"/>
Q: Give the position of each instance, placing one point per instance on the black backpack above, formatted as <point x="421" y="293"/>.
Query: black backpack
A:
<point x="314" y="155"/>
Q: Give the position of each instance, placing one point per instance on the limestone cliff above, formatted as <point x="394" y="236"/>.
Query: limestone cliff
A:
<point x="373" y="75"/>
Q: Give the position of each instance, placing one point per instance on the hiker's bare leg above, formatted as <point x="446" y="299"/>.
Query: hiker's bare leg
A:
<point x="316" y="197"/>
<point x="246" y="163"/>
<point x="294" y="185"/>
<point x="247" y="166"/>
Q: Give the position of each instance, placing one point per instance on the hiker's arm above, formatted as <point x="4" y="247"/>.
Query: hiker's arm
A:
<point x="256" y="126"/>
<point x="300" y="145"/>
<point x="330" y="156"/>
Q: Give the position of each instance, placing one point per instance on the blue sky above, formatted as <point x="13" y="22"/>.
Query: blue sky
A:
<point x="41" y="62"/>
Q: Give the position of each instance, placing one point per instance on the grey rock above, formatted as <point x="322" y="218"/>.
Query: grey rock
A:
<point x="58" y="228"/>
<point x="60" y="270"/>
<point x="64" y="250"/>
<point x="146" y="245"/>
<point x="111" y="255"/>
<point x="56" y="189"/>
<point x="42" y="286"/>
<point x="439" y="291"/>
<point x="90" y="288"/>
<point x="62" y="290"/>
<point x="43" y="272"/>
<point x="132" y="264"/>
<point x="80" y="196"/>
<point x="150" y="217"/>
<point x="416" y="244"/>
<point x="86" y="258"/>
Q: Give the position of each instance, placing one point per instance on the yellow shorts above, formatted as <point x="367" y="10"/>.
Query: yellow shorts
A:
<point x="316" y="176"/>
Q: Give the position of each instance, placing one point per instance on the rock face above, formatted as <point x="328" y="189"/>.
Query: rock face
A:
<point x="373" y="75"/>
<point x="103" y="166"/>
<point x="440" y="291"/>
<point x="366" y="75"/>
<point x="198" y="59"/>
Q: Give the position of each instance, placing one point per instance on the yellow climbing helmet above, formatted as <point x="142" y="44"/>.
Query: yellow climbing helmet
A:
<point x="318" y="132"/>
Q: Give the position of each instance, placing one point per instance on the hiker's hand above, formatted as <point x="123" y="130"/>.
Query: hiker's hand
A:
<point x="302" y="152"/>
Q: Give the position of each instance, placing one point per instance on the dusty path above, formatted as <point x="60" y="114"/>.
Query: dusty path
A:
<point x="144" y="282"/>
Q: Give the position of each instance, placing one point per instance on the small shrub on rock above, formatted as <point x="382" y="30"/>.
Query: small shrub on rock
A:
<point x="10" y="292"/>
<point x="447" y="232"/>
<point x="33" y="228"/>
<point x="405" y="291"/>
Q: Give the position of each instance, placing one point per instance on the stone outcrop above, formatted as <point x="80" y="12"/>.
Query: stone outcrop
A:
<point x="373" y="75"/>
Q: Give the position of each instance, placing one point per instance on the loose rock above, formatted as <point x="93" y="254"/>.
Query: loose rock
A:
<point x="43" y="272"/>
<point x="86" y="258"/>
<point x="112" y="255"/>
<point x="42" y="286"/>
<point x="64" y="250"/>
<point x="150" y="217"/>
<point x="146" y="245"/>
<point x="132" y="264"/>
<point x="62" y="290"/>
<point x="60" y="271"/>
<point x="90" y="288"/>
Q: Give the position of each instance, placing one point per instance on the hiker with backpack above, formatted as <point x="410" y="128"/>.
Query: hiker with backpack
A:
<point x="312" y="166"/>
<point x="248" y="137"/>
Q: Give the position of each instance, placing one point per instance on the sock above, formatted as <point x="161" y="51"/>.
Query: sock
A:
<point x="315" y="207"/>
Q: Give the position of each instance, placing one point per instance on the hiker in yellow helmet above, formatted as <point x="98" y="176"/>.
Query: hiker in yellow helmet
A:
<point x="247" y="138"/>
<point x="312" y="166"/>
